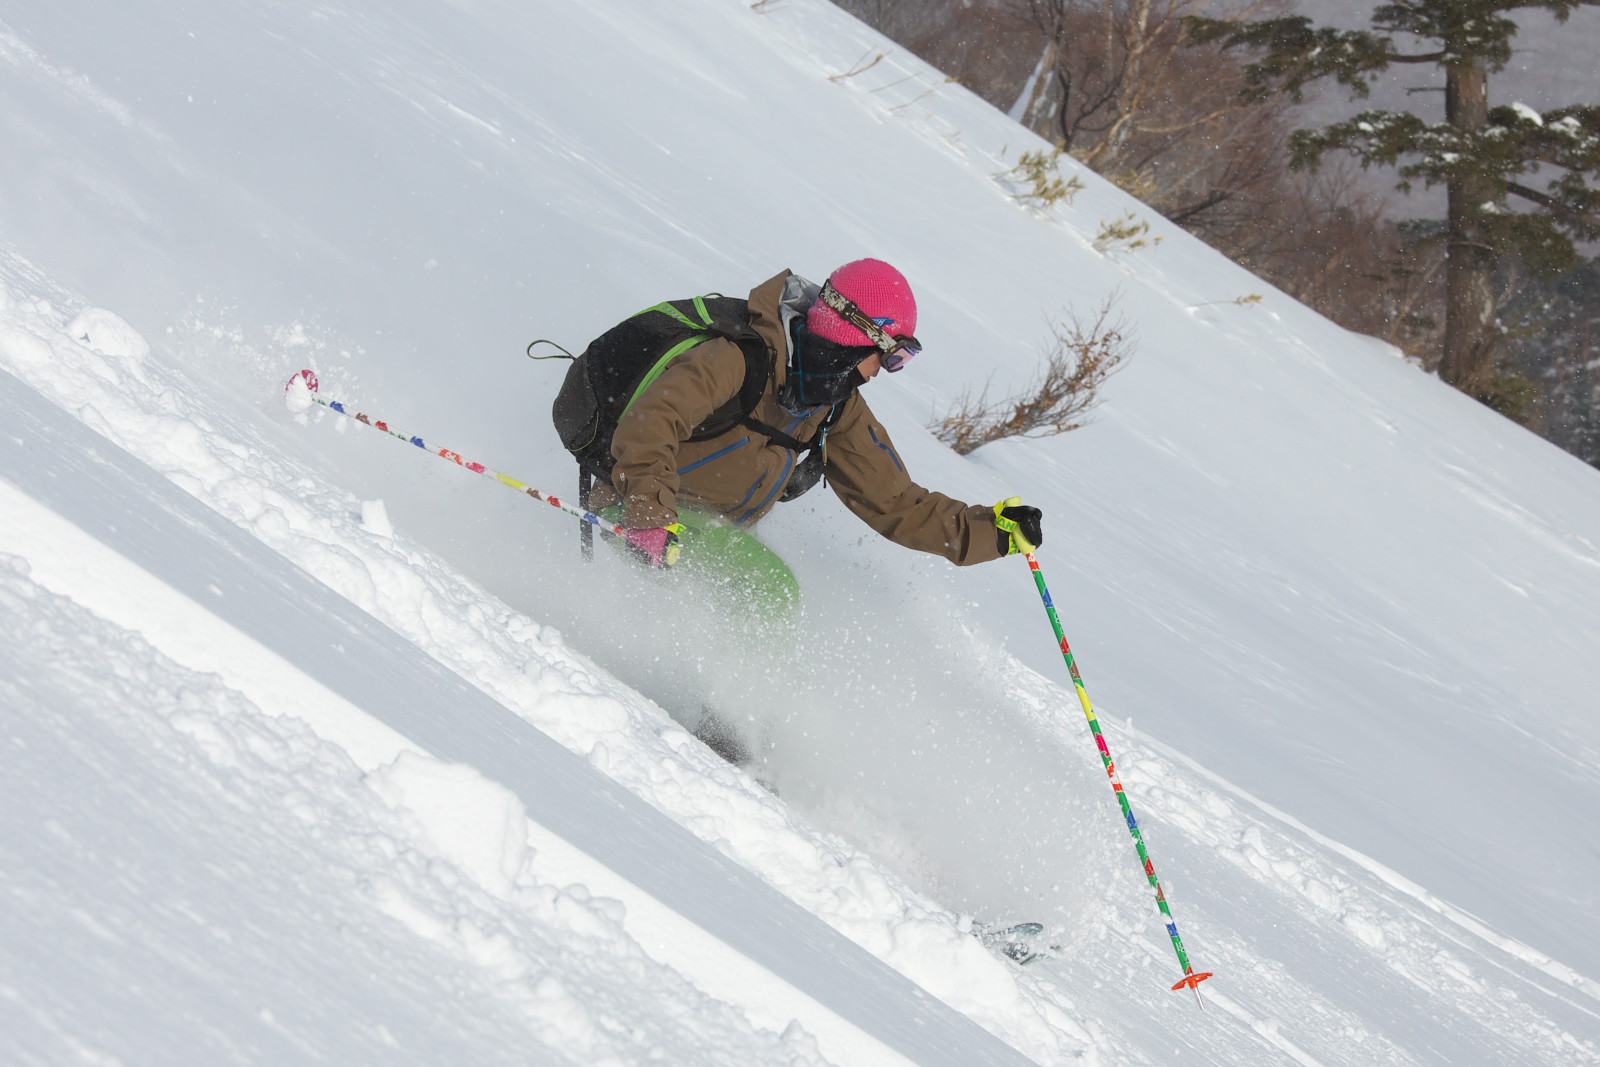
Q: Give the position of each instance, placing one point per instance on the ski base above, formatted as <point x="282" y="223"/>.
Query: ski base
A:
<point x="1021" y="943"/>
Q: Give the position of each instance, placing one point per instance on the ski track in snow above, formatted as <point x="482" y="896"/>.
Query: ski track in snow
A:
<point x="288" y="823"/>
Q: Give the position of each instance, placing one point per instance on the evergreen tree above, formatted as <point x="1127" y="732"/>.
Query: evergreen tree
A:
<point x="1558" y="347"/>
<point x="1491" y="161"/>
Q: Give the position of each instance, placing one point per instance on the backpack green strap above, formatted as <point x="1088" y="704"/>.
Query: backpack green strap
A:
<point x="672" y="312"/>
<point x="660" y="367"/>
<point x="676" y="350"/>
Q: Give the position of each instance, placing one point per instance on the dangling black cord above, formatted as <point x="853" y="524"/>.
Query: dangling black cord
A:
<point x="585" y="480"/>
<point x="541" y="341"/>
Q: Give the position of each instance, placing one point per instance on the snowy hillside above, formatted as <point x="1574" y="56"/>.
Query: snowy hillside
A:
<point x="318" y="749"/>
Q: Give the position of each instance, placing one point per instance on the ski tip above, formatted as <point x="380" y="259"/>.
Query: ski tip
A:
<point x="1192" y="981"/>
<point x="308" y="376"/>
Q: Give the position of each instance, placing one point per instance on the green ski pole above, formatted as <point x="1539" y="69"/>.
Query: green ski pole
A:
<point x="1190" y="978"/>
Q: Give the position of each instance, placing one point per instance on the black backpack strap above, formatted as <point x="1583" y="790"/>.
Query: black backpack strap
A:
<point x="739" y="410"/>
<point x="777" y="436"/>
<point x="794" y="444"/>
<point x="757" y="369"/>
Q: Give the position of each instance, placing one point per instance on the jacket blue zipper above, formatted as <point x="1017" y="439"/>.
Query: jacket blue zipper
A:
<point x="718" y="454"/>
<point x="783" y="479"/>
<point x="887" y="449"/>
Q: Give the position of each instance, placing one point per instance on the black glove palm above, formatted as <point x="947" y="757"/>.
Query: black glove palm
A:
<point x="1019" y="527"/>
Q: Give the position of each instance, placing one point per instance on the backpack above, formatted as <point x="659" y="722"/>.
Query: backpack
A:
<point x="620" y="364"/>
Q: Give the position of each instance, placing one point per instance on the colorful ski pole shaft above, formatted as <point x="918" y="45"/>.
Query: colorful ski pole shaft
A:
<point x="311" y="385"/>
<point x="1190" y="978"/>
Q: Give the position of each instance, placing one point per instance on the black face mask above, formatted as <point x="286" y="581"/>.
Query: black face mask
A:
<point x="822" y="372"/>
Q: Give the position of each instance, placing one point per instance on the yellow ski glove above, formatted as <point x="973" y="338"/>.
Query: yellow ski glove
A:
<point x="1018" y="526"/>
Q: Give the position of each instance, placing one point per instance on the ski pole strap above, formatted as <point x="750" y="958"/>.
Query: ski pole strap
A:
<point x="1190" y="979"/>
<point x="310" y="381"/>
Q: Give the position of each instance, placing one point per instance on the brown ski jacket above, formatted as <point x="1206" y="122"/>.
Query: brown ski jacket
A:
<point x="740" y="474"/>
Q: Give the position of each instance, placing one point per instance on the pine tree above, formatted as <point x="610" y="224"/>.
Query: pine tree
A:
<point x="1558" y="347"/>
<point x="1491" y="161"/>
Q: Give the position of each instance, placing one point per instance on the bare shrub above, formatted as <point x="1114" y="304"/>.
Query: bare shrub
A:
<point x="1332" y="244"/>
<point x="861" y="67"/>
<point x="977" y="42"/>
<point x="1036" y="180"/>
<point x="1115" y="84"/>
<point x="1078" y="362"/>
<point x="1125" y="234"/>
<point x="1119" y="87"/>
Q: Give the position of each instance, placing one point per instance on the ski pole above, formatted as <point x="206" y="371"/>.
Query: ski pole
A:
<point x="311" y="384"/>
<point x="1190" y="978"/>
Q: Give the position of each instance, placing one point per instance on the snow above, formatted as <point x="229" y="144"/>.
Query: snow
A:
<point x="1527" y="113"/>
<point x="1019" y="109"/>
<point x="283" y="665"/>
<point x="319" y="749"/>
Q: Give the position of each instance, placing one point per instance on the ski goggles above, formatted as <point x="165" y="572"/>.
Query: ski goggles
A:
<point x="894" y="352"/>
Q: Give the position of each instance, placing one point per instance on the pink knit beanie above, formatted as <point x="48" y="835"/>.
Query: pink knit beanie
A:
<point x="877" y="289"/>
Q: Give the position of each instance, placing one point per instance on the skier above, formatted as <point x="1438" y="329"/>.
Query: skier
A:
<point x="785" y="374"/>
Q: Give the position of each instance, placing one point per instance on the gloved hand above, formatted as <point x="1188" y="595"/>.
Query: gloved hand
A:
<point x="1018" y="526"/>
<point x="658" y="547"/>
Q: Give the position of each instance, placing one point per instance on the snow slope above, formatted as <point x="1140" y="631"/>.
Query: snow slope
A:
<point x="196" y="587"/>
<point x="1281" y="550"/>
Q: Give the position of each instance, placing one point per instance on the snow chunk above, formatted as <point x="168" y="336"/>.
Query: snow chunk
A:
<point x="1525" y="112"/>
<point x="107" y="333"/>
<point x="477" y="824"/>
<point x="375" y="518"/>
